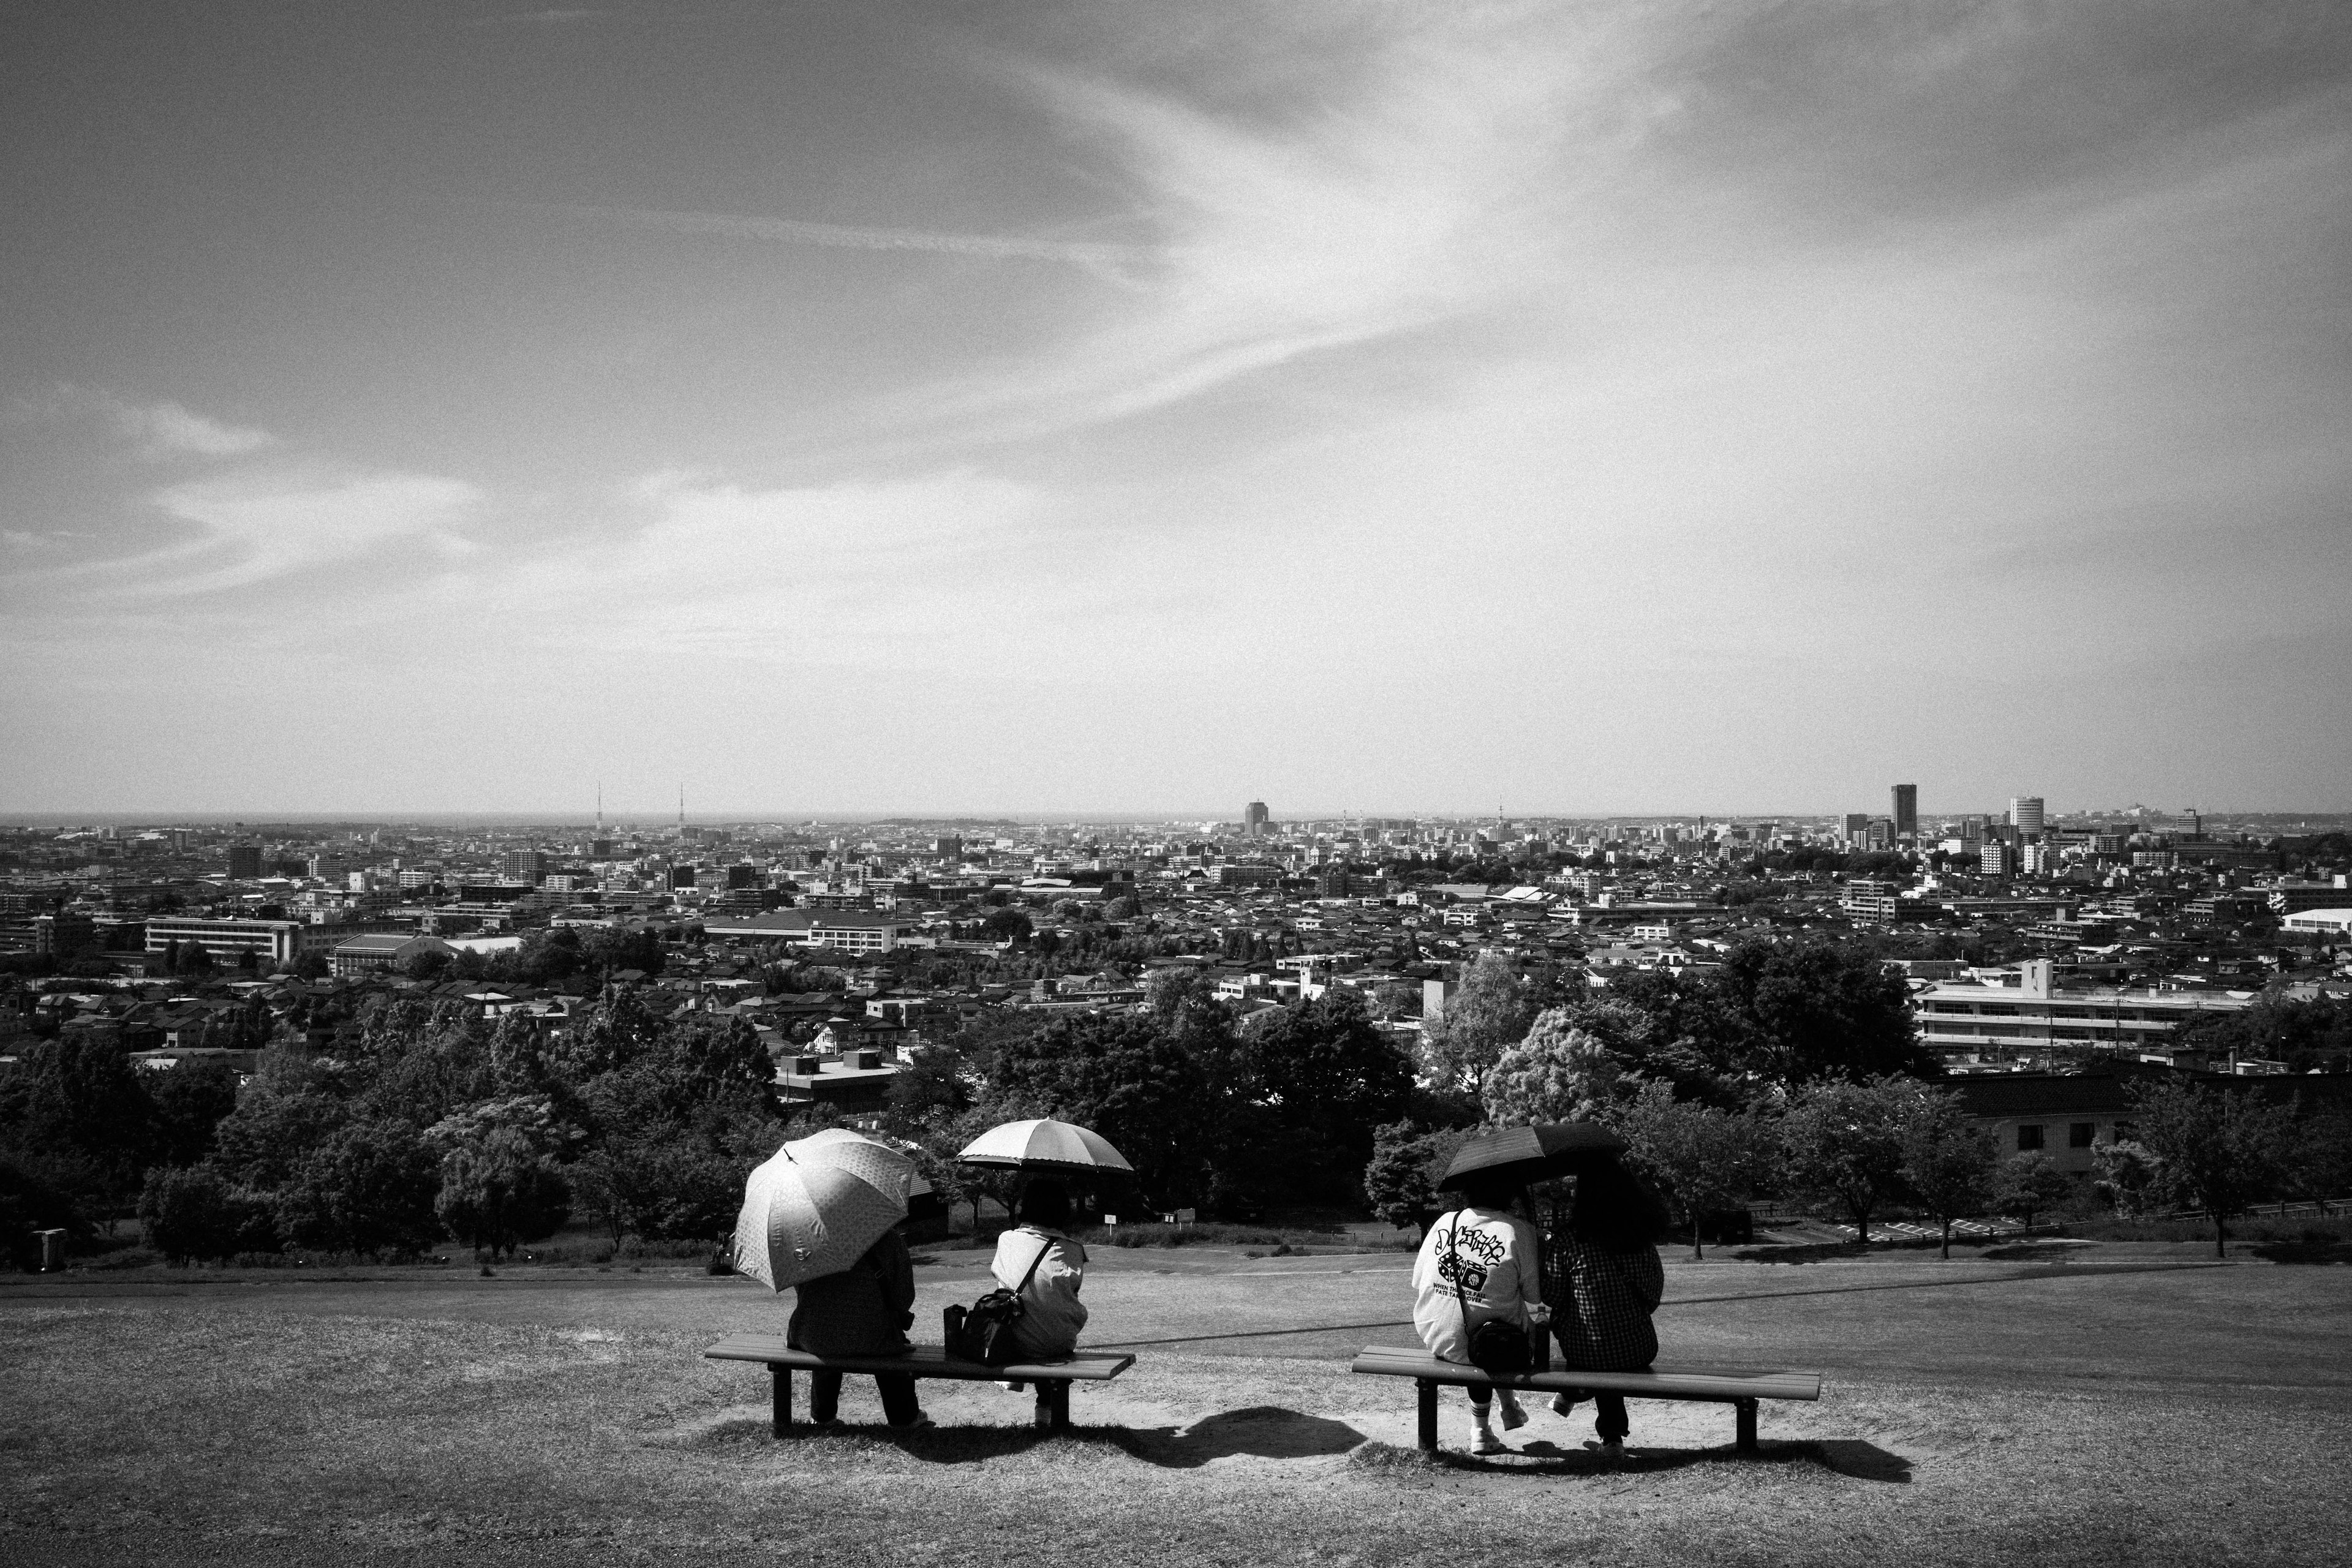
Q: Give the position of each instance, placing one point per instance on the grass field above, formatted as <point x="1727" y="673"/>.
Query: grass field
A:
<point x="2109" y="1403"/>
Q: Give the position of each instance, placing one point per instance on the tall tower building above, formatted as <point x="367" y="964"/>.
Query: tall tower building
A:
<point x="1253" y="819"/>
<point x="1907" y="811"/>
<point x="2025" y="814"/>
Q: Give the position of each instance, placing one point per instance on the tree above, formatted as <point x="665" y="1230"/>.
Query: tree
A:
<point x="1845" y="1142"/>
<point x="1326" y="1077"/>
<point x="1948" y="1160"/>
<point x="1787" y="1013"/>
<point x="1558" y="1073"/>
<point x="1006" y="925"/>
<point x="1129" y="1080"/>
<point x="79" y="1099"/>
<point x="368" y="1188"/>
<point x="1489" y="1012"/>
<point x="2028" y="1183"/>
<point x="1707" y="1159"/>
<point x="190" y="1101"/>
<point x="499" y="1189"/>
<point x="188" y="1213"/>
<point x="279" y="1122"/>
<point x="1407" y="1162"/>
<point x="2221" y="1151"/>
<point x="2321" y="1166"/>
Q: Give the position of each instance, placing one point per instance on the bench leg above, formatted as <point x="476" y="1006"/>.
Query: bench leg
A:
<point x="780" y="1400"/>
<point x="1427" y="1393"/>
<point x="1747" y="1438"/>
<point x="1053" y="1404"/>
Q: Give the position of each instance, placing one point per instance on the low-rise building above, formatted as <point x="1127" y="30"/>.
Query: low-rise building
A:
<point x="1969" y="1021"/>
<point x="228" y="939"/>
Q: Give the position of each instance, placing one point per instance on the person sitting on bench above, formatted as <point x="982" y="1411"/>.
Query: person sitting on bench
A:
<point x="1478" y="1265"/>
<point x="863" y="1311"/>
<point x="1052" y="1314"/>
<point x="1609" y="1280"/>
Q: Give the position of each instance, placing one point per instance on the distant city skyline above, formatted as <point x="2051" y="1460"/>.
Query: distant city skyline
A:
<point x="885" y="406"/>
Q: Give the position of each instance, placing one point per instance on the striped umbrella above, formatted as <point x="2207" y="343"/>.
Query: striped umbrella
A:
<point x="1045" y="1146"/>
<point x="816" y="1204"/>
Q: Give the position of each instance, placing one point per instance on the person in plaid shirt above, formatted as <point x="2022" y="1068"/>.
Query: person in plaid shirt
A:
<point x="1607" y="1278"/>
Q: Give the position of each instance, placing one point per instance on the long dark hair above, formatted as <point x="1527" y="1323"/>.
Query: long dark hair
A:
<point x="1614" y="1210"/>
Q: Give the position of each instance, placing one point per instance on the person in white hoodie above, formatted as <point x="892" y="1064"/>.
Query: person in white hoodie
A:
<point x="1479" y="1264"/>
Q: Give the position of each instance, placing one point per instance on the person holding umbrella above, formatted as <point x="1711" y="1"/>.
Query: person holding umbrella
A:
<point x="863" y="1311"/>
<point x="1610" y="1282"/>
<point x="1038" y="1261"/>
<point x="819" y="1216"/>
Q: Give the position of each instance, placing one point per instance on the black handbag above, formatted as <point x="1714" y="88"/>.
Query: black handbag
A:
<point x="1497" y="1348"/>
<point x="984" y="1332"/>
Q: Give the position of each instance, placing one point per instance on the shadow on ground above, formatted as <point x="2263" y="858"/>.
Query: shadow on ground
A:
<point x="1803" y="1252"/>
<point x="2036" y="1251"/>
<point x="1262" y="1431"/>
<point x="1847" y="1456"/>
<point x="2327" y="1250"/>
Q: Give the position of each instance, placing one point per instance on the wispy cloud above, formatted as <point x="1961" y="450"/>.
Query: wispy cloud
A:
<point x="166" y="429"/>
<point x="1108" y="259"/>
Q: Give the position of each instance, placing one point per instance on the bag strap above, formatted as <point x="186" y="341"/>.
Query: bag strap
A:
<point x="1454" y="1256"/>
<point x="1031" y="1272"/>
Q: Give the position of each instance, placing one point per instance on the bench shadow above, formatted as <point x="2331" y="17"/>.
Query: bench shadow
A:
<point x="1846" y="1457"/>
<point x="1261" y="1431"/>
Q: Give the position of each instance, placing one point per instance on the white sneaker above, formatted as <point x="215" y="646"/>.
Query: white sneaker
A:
<point x="1609" y="1453"/>
<point x="1488" y="1443"/>
<point x="1563" y="1406"/>
<point x="1513" y="1416"/>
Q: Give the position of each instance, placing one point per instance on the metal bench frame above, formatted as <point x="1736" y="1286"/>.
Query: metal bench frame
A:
<point x="1051" y="1379"/>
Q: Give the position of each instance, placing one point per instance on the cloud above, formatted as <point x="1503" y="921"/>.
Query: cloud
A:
<point x="261" y="527"/>
<point x="1106" y="259"/>
<point x="167" y="430"/>
<point x="1410" y="188"/>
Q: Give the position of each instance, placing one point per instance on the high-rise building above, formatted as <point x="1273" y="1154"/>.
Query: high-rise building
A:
<point x="2025" y="814"/>
<point x="1855" y="828"/>
<point x="244" y="861"/>
<point x="527" y="865"/>
<point x="1253" y="819"/>
<point x="1907" y="811"/>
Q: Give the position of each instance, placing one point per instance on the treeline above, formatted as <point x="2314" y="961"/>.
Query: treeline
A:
<point x="1793" y="1071"/>
<point x="439" y="1123"/>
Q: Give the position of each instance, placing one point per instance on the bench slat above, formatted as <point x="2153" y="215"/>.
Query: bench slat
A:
<point x="1658" y="1383"/>
<point x="923" y="1360"/>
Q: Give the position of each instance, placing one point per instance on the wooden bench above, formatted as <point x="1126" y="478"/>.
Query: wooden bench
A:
<point x="1718" y="1385"/>
<point x="1053" y="1378"/>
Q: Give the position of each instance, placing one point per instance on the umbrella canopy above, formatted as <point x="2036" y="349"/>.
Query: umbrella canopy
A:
<point x="1043" y="1145"/>
<point x="816" y="1204"/>
<point x="1536" y="1153"/>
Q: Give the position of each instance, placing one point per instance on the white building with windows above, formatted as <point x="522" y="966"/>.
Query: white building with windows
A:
<point x="1969" y="1021"/>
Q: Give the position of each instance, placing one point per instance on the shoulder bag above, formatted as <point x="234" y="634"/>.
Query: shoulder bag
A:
<point x="984" y="1332"/>
<point x="1495" y="1347"/>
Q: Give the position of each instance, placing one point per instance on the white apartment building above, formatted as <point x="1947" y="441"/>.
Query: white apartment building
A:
<point x="1969" y="1021"/>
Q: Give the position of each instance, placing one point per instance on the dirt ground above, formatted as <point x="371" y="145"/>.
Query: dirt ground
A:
<point x="2096" y="1403"/>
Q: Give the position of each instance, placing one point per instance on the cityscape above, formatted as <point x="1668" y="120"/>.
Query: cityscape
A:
<point x="891" y="784"/>
<point x="2031" y="941"/>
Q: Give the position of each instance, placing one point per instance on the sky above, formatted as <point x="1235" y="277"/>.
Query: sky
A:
<point x="1132" y="409"/>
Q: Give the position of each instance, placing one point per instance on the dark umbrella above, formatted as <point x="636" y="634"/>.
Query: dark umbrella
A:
<point x="1530" y="1154"/>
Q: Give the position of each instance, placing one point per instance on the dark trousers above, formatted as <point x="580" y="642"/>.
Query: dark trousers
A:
<point x="1610" y="1421"/>
<point x="900" y="1406"/>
